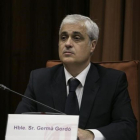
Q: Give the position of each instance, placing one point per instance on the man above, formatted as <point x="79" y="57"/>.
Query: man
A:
<point x="101" y="95"/>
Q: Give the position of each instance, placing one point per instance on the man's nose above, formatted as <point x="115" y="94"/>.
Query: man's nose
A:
<point x="68" y="43"/>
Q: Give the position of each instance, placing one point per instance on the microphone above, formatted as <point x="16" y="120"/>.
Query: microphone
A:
<point x="3" y="87"/>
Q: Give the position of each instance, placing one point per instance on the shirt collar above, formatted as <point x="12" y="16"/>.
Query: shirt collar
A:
<point x="81" y="77"/>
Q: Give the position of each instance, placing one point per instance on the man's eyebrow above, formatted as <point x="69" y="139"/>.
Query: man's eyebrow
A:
<point x="63" y="33"/>
<point x="76" y="32"/>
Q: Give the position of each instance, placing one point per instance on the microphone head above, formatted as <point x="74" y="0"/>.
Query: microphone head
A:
<point x="3" y="87"/>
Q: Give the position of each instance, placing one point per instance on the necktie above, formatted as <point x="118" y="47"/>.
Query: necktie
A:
<point x="72" y="106"/>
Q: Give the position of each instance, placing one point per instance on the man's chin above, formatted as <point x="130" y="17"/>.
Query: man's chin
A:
<point x="68" y="61"/>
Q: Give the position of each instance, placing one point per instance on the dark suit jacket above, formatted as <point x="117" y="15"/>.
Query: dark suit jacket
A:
<point x="105" y="103"/>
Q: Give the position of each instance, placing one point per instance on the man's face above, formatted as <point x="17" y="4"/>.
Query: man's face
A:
<point x="74" y="44"/>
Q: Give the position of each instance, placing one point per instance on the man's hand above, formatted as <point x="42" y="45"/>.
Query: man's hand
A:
<point x="85" y="134"/>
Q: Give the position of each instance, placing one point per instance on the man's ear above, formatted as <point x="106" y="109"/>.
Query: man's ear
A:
<point x="93" y="45"/>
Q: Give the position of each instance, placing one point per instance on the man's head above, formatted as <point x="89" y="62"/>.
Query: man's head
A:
<point x="92" y="28"/>
<point x="78" y="36"/>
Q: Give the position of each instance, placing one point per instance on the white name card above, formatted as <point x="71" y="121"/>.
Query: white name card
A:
<point x="41" y="127"/>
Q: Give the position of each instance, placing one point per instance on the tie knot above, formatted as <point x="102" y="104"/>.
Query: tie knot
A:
<point x="73" y="84"/>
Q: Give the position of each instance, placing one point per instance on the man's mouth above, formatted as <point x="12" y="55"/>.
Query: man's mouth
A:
<point x="68" y="52"/>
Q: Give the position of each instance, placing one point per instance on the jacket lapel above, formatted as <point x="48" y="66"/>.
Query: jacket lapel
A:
<point x="90" y="90"/>
<point x="59" y="90"/>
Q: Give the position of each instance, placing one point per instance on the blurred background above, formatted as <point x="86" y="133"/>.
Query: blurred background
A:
<point x="29" y="37"/>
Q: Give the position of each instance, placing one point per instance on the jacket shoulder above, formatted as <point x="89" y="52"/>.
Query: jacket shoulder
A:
<point x="105" y="70"/>
<point x="47" y="72"/>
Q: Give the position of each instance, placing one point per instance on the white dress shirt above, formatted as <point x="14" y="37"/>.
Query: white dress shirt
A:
<point x="79" y="92"/>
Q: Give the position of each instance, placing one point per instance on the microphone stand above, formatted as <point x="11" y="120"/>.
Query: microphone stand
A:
<point x="8" y="89"/>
